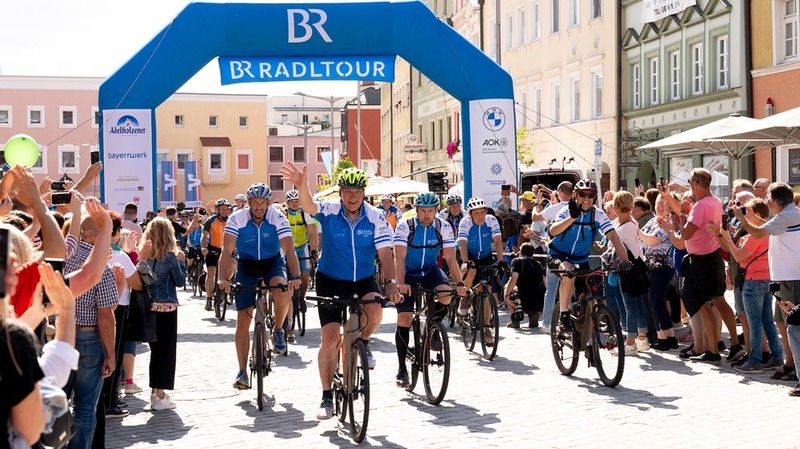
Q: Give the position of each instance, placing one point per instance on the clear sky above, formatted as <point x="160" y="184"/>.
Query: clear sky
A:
<point x="96" y="37"/>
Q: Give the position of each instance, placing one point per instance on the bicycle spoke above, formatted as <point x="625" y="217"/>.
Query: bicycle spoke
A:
<point x="436" y="363"/>
<point x="565" y="352"/>
<point x="359" y="392"/>
<point x="609" y="348"/>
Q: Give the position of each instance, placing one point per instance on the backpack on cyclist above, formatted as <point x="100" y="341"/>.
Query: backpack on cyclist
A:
<point x="412" y="224"/>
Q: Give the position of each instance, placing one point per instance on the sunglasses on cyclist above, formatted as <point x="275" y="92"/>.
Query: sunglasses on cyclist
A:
<point x="587" y="194"/>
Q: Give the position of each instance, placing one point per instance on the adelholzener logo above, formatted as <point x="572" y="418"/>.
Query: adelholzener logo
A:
<point x="127" y="124"/>
<point x="494" y="119"/>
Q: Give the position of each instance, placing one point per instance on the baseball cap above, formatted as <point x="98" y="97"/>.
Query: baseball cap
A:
<point x="528" y="195"/>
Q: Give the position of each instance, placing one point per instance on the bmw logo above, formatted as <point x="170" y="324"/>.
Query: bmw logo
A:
<point x="494" y="119"/>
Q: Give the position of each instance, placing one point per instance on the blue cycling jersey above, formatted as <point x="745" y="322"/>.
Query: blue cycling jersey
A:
<point x="423" y="251"/>
<point x="479" y="238"/>
<point x="454" y="220"/>
<point x="196" y="236"/>
<point x="262" y="241"/>
<point x="574" y="243"/>
<point x="350" y="247"/>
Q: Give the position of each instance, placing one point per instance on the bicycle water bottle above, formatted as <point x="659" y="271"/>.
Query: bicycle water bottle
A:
<point x="519" y="315"/>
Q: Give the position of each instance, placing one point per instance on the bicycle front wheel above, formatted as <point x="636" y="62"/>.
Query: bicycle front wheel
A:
<point x="217" y="298"/>
<point x="412" y="361"/>
<point x="358" y="382"/>
<point x="469" y="324"/>
<point x="436" y="363"/>
<point x="452" y="311"/>
<point x="565" y="351"/>
<point x="609" y="349"/>
<point x="258" y="361"/>
<point x="299" y="314"/>
<point x="490" y="325"/>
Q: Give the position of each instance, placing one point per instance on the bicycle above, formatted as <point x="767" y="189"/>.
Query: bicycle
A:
<point x="430" y="352"/>
<point x="312" y="275"/>
<point x="599" y="337"/>
<point x="261" y="348"/>
<point x="351" y="378"/>
<point x="299" y="306"/>
<point x="480" y="300"/>
<point x="220" y="299"/>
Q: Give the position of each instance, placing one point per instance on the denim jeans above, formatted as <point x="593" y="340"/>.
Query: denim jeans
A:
<point x="85" y="384"/>
<point x="793" y="331"/>
<point x="614" y="302"/>
<point x="657" y="293"/>
<point x="549" y="297"/>
<point x="758" y="307"/>
<point x="637" y="320"/>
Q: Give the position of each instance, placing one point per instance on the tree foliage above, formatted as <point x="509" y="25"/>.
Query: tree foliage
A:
<point x="524" y="148"/>
<point x="328" y="181"/>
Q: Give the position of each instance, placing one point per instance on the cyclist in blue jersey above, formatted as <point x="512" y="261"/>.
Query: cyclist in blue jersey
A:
<point x="572" y="235"/>
<point x="354" y="232"/>
<point x="478" y="235"/>
<point x="194" y="239"/>
<point x="258" y="233"/>
<point x="391" y="212"/>
<point x="417" y="244"/>
<point x="453" y="213"/>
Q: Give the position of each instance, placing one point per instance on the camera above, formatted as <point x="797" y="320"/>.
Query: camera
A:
<point x="61" y="197"/>
<point x="774" y="287"/>
<point x="58" y="185"/>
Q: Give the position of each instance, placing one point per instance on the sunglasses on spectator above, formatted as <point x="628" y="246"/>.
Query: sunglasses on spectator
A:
<point x="587" y="194"/>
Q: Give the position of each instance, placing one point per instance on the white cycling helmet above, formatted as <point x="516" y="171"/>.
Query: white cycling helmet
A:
<point x="387" y="196"/>
<point x="292" y="195"/>
<point x="476" y="203"/>
<point x="240" y="197"/>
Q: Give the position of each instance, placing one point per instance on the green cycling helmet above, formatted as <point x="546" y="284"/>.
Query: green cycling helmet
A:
<point x="351" y="178"/>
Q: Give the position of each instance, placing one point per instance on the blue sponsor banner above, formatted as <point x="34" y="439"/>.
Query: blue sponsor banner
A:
<point x="191" y="184"/>
<point x="298" y="68"/>
<point x="169" y="181"/>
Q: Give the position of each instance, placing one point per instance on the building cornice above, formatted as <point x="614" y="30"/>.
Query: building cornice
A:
<point x="686" y="103"/>
<point x="50" y="82"/>
<point x="776" y="69"/>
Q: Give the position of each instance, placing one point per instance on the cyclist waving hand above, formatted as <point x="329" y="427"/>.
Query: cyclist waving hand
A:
<point x="354" y="232"/>
<point x="572" y="236"/>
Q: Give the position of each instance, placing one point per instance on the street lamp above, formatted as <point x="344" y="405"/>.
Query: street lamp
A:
<point x="330" y="100"/>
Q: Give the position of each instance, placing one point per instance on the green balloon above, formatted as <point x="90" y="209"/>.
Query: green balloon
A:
<point x="21" y="150"/>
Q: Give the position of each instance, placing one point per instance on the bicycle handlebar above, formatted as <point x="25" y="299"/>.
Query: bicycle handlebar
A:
<point x="335" y="301"/>
<point x="419" y="290"/>
<point x="237" y="287"/>
<point x="589" y="271"/>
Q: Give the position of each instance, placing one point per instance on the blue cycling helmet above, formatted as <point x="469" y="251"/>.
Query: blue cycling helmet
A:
<point x="259" y="190"/>
<point x="427" y="199"/>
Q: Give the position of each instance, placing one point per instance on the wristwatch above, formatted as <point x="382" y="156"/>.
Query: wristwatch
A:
<point x="393" y="281"/>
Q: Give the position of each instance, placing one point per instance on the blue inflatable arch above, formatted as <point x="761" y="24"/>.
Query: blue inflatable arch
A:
<point x="203" y="31"/>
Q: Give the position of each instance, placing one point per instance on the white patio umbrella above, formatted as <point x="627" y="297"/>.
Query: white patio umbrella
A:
<point x="396" y="186"/>
<point x="707" y="137"/>
<point x="779" y="127"/>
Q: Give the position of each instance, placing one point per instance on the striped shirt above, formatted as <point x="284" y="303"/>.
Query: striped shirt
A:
<point x="102" y="295"/>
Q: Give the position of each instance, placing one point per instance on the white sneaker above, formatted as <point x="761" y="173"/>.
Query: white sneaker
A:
<point x="642" y="345"/>
<point x="132" y="388"/>
<point x="159" y="404"/>
<point x="631" y="350"/>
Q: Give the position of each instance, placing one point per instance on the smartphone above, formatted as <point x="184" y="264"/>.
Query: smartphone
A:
<point x="61" y="197"/>
<point x="57" y="185"/>
<point x="58" y="265"/>
<point x="774" y="287"/>
<point x="95" y="155"/>
<point x="636" y="180"/>
<point x="3" y="260"/>
<point x="724" y="222"/>
<point x="623" y="184"/>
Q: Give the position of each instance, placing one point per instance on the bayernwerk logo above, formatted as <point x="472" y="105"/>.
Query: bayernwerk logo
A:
<point x="494" y="119"/>
<point x="127" y="124"/>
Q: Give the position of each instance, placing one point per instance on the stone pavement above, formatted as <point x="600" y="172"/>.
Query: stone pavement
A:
<point x="517" y="400"/>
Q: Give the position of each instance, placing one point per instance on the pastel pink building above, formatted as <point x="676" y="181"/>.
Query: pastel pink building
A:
<point x="61" y="115"/>
<point x="290" y="148"/>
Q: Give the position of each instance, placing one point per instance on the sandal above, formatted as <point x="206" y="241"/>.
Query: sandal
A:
<point x="784" y="373"/>
<point x="688" y="354"/>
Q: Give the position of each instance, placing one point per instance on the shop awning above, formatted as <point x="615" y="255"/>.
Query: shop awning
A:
<point x="215" y="141"/>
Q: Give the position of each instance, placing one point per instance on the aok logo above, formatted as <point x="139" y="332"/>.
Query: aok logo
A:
<point x="495" y="142"/>
<point x="304" y="17"/>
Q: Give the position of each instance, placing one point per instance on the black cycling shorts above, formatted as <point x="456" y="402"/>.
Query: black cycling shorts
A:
<point x="330" y="287"/>
<point x="213" y="256"/>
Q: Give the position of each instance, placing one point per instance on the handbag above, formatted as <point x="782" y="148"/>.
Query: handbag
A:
<point x="141" y="318"/>
<point x="738" y="281"/>
<point x="634" y="281"/>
